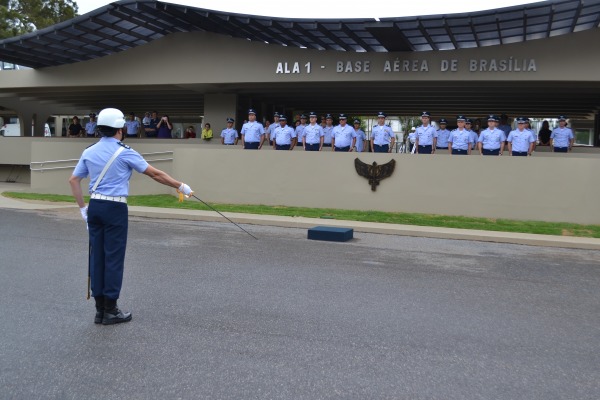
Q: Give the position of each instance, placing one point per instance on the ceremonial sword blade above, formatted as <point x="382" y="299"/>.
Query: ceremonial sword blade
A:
<point x="209" y="206"/>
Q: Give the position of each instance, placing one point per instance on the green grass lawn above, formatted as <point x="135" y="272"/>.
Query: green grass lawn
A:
<point x="486" y="224"/>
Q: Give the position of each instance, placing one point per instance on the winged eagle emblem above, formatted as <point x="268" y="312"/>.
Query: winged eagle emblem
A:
<point x="374" y="173"/>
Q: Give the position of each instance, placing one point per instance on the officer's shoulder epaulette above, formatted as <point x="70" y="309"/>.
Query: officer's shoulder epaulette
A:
<point x="91" y="145"/>
<point x="124" y="145"/>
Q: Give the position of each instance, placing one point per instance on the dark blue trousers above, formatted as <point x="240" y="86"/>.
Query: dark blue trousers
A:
<point x="460" y="152"/>
<point x="251" y="145"/>
<point x="312" y="147"/>
<point x="425" y="149"/>
<point x="561" y="149"/>
<point x="345" y="148"/>
<point x="381" y="148"/>
<point x="282" y="147"/>
<point x="519" y="154"/>
<point x="107" y="224"/>
<point x="491" y="152"/>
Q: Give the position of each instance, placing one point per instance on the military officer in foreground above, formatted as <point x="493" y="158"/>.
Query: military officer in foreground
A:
<point x="109" y="163"/>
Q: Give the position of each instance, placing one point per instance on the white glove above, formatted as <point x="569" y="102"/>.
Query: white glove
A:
<point x="83" y="211"/>
<point x="185" y="189"/>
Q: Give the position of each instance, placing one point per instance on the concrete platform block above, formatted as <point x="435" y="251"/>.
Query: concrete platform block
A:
<point x="330" y="233"/>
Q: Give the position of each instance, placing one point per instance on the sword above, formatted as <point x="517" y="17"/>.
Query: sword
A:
<point x="209" y="206"/>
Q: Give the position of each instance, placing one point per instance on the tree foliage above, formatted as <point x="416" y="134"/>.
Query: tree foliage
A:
<point x="18" y="17"/>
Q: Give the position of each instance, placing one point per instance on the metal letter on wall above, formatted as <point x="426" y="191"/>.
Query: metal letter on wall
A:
<point x="374" y="173"/>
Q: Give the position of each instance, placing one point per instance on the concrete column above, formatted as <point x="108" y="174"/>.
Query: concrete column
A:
<point x="217" y="108"/>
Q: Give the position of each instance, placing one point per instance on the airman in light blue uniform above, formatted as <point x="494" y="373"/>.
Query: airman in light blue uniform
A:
<point x="425" y="136"/>
<point x="459" y="141"/>
<point x="283" y="135"/>
<point x="344" y="137"/>
<point x="382" y="136"/>
<point x="313" y="135"/>
<point x="229" y="135"/>
<point x="132" y="126"/>
<point x="328" y="130"/>
<point x="520" y="140"/>
<point x="253" y="133"/>
<point x="562" y="138"/>
<point x="271" y="129"/>
<point x="300" y="130"/>
<point x="442" y="135"/>
<point x="361" y="137"/>
<point x="473" y="135"/>
<point x="491" y="140"/>
<point x="90" y="127"/>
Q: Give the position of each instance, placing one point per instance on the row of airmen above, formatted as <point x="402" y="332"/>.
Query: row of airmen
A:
<point x="491" y="141"/>
<point x="426" y="140"/>
<point x="311" y="136"/>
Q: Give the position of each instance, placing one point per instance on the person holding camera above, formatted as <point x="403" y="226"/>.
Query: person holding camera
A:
<point x="164" y="128"/>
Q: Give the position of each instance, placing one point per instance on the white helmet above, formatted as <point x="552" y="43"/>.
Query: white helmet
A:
<point x="111" y="117"/>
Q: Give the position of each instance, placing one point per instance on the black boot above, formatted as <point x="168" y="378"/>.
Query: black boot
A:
<point x="99" y="309"/>
<point x="112" y="314"/>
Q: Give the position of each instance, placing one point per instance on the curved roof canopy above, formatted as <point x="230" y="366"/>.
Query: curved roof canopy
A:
<point x="129" y="23"/>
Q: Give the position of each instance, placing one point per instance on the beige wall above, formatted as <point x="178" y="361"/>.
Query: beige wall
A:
<point x="549" y="187"/>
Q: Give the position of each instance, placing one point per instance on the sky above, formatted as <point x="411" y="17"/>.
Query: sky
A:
<point x="332" y="9"/>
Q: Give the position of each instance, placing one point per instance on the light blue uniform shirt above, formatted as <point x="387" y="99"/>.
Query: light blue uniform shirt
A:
<point x="461" y="140"/>
<point x="252" y="132"/>
<point x="132" y="127"/>
<point x="474" y="138"/>
<point x="90" y="128"/>
<point x="271" y="129"/>
<point x="520" y="140"/>
<point x="283" y="135"/>
<point x="328" y="133"/>
<point x="229" y="135"/>
<point x="116" y="180"/>
<point x="425" y="135"/>
<point x="300" y="132"/>
<point x="442" y="138"/>
<point x="360" y="140"/>
<point x="562" y="136"/>
<point x="343" y="135"/>
<point x="382" y="134"/>
<point x="491" y="139"/>
<point x="313" y="133"/>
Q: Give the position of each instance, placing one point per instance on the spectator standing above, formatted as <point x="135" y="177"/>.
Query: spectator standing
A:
<point x="164" y="128"/>
<point x="190" y="132"/>
<point x="544" y="134"/>
<point x="151" y="129"/>
<point x="207" y="133"/>
<point x="75" y="129"/>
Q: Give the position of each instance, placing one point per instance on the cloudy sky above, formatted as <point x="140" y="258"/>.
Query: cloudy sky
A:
<point x="332" y="9"/>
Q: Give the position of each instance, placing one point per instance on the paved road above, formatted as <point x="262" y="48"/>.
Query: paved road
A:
<point x="219" y="315"/>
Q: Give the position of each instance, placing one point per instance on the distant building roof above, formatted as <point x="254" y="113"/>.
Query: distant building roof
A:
<point x="129" y="23"/>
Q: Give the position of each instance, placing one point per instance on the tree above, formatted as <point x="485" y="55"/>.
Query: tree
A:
<point x="18" y="17"/>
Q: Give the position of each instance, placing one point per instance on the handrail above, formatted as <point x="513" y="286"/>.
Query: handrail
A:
<point x="73" y="166"/>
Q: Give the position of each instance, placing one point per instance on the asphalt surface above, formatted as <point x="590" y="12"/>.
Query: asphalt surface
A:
<point x="219" y="315"/>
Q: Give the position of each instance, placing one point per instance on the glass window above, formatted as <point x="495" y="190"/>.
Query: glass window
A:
<point x="584" y="137"/>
